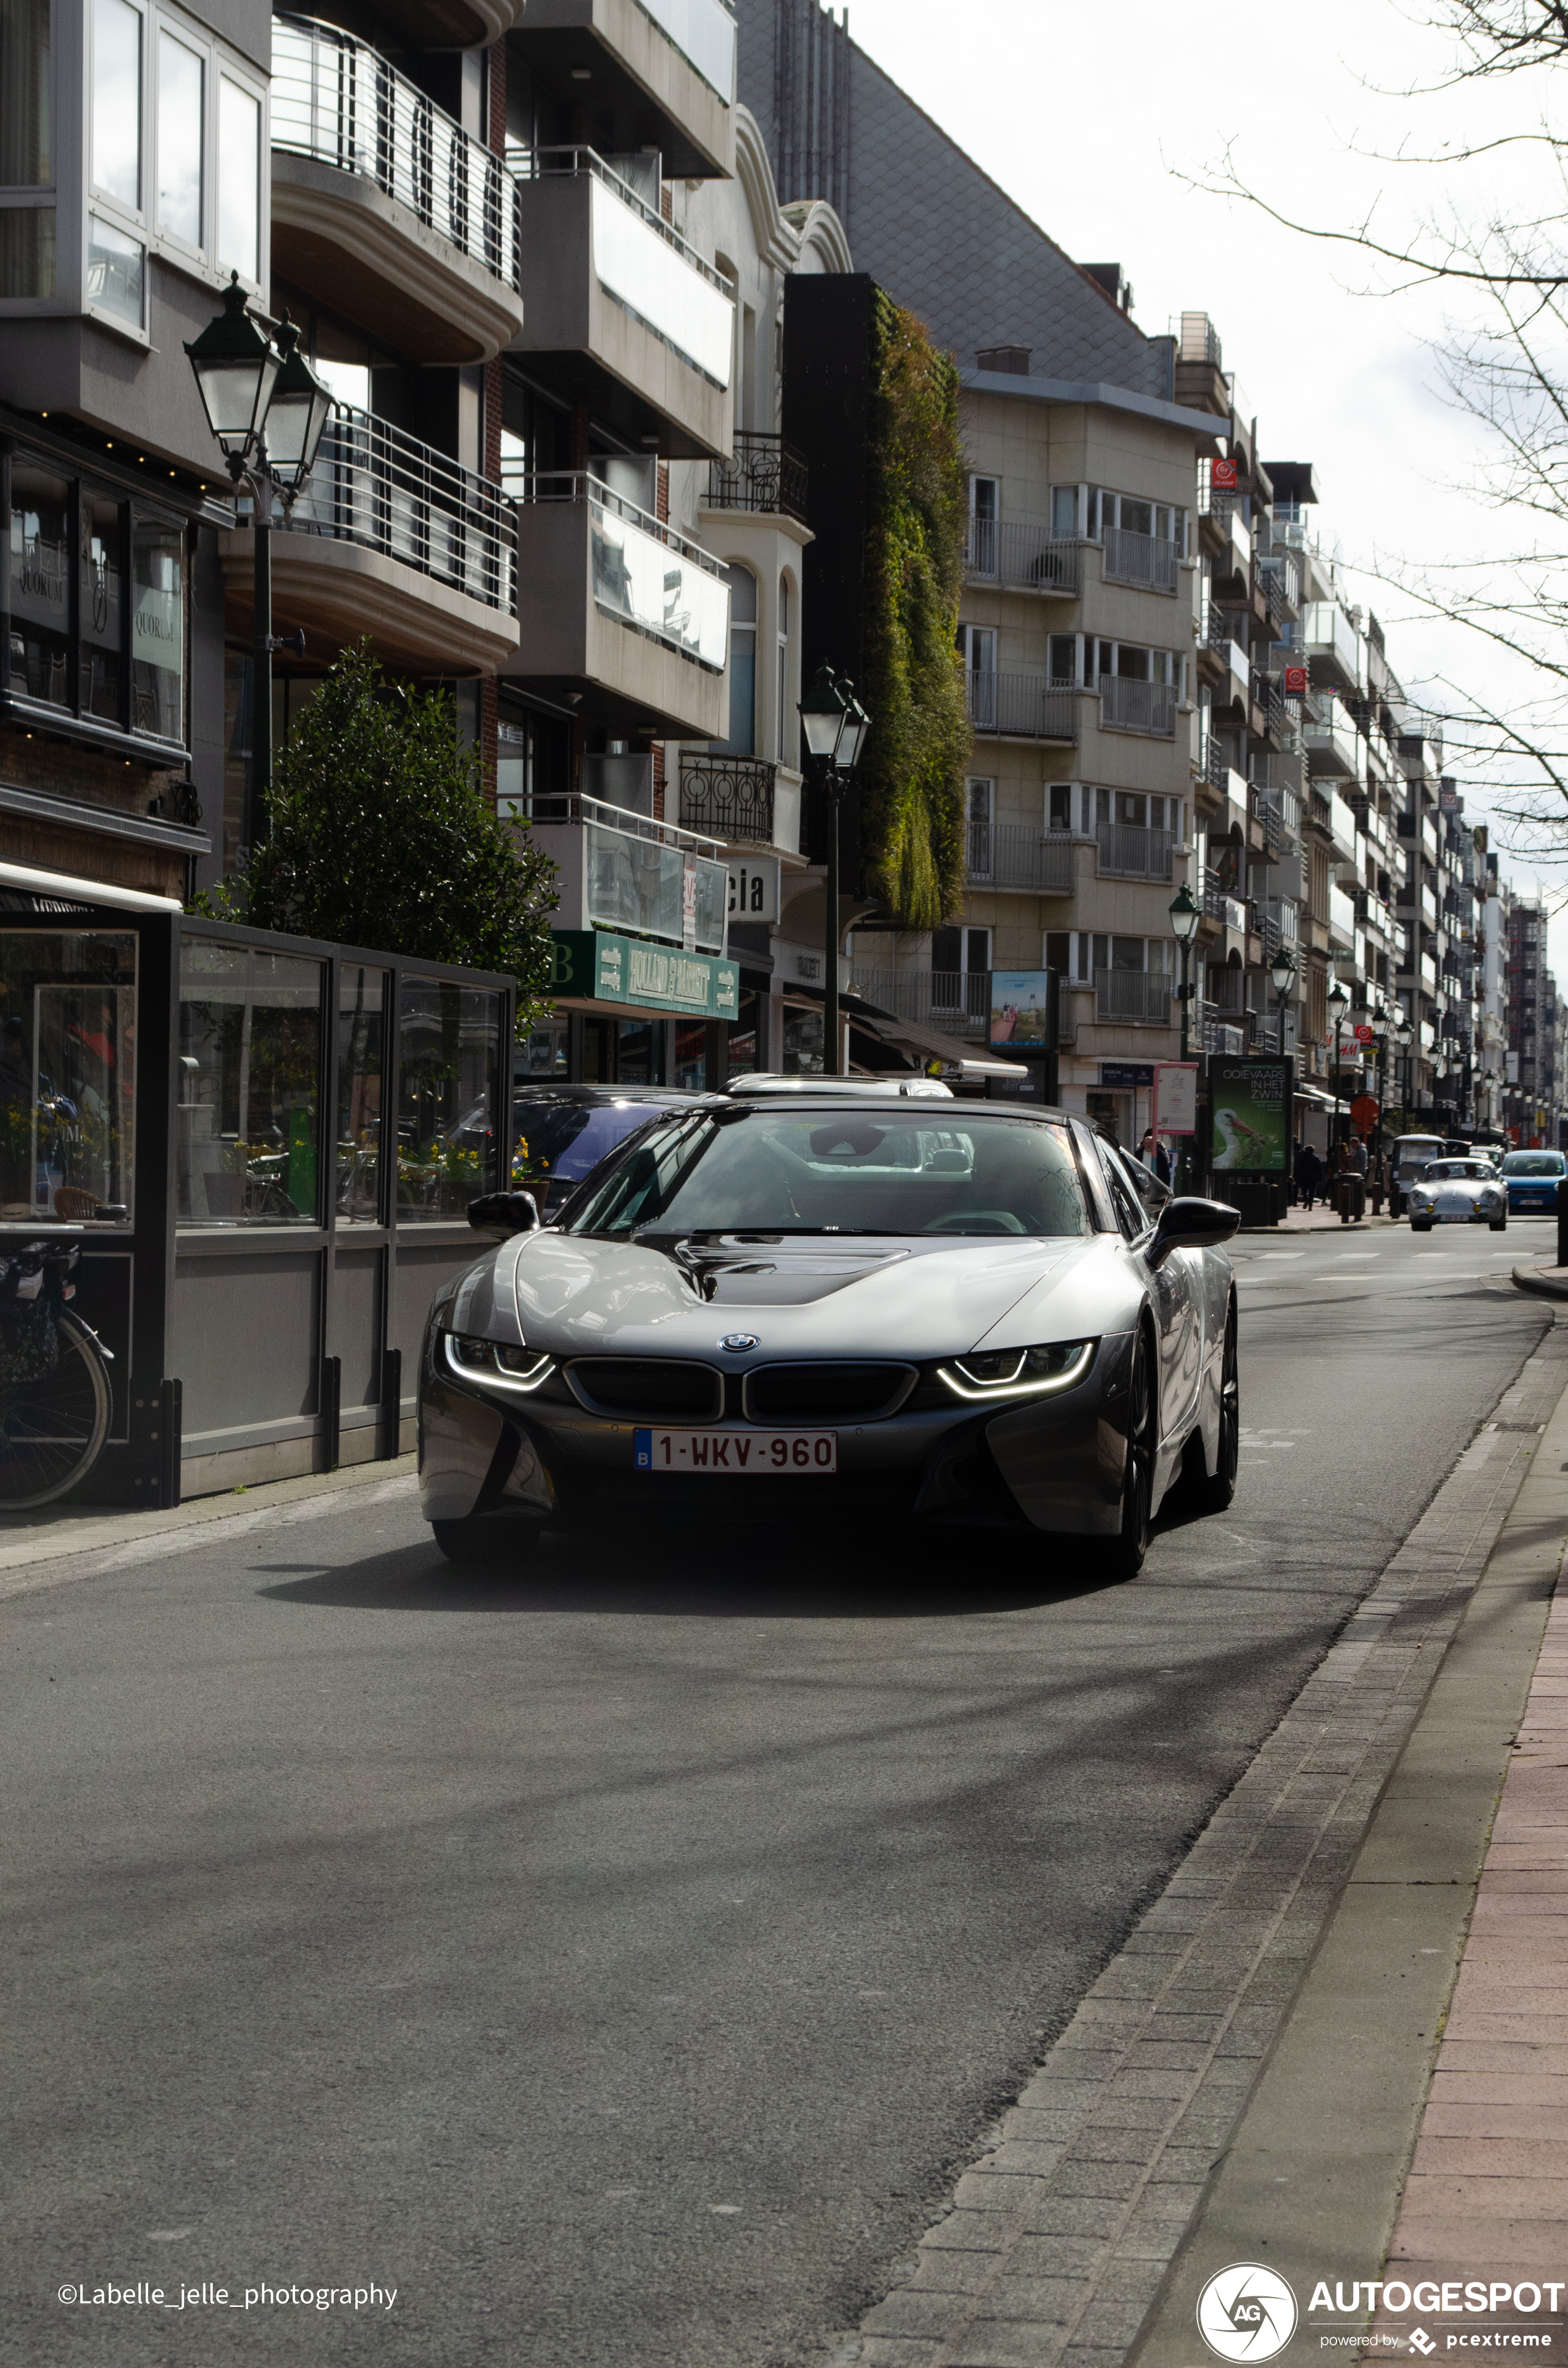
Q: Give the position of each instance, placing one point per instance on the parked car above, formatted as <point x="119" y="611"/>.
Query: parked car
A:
<point x="1533" y="1177"/>
<point x="1458" y="1192"/>
<point x="828" y="1304"/>
<point x="560" y="1134"/>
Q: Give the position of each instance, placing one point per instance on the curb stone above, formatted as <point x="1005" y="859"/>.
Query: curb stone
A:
<point x="1056" y="2241"/>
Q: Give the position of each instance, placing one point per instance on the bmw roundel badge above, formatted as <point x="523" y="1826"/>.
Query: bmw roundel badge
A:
<point x="739" y="1340"/>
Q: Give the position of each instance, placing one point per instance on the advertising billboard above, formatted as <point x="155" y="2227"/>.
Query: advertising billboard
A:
<point x="1249" y="1103"/>
<point x="1175" y="1098"/>
<point x="1020" y="1010"/>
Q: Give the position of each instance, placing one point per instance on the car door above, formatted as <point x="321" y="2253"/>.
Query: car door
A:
<point x="1172" y="1286"/>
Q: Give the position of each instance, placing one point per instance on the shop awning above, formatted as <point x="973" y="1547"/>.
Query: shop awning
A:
<point x="928" y="1044"/>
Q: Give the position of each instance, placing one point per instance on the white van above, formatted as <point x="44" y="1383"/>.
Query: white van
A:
<point x="1409" y="1157"/>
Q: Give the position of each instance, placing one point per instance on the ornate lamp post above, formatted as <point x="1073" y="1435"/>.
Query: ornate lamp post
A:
<point x="1338" y="1005"/>
<point x="1282" y="971"/>
<point x="1186" y="916"/>
<point x="836" y="725"/>
<point x="1405" y="1037"/>
<point x="257" y="393"/>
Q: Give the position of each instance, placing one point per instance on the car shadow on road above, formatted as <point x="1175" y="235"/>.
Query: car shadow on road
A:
<point x="954" y="1575"/>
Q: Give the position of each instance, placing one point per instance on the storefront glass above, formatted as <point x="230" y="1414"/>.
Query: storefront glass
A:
<point x="361" y="1052"/>
<point x="448" y="1099"/>
<point x="247" y="1131"/>
<point x="67" y="1076"/>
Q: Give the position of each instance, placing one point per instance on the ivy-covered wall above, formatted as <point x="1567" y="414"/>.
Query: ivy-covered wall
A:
<point x="911" y="831"/>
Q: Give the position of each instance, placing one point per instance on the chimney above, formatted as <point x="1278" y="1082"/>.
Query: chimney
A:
<point x="1012" y="359"/>
<point x="1108" y="277"/>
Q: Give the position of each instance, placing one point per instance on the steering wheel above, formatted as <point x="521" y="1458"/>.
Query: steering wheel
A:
<point x="977" y="1221"/>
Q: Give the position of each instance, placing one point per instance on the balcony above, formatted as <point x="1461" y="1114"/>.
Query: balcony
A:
<point x="1333" y="747"/>
<point x="1341" y="921"/>
<point x="764" y="477"/>
<point x="1282" y="915"/>
<point x="1332" y="646"/>
<point x="1144" y="559"/>
<point x="671" y="61"/>
<point x="395" y="540"/>
<point x="615" y="604"/>
<point x="626" y="872"/>
<point x="620" y="313"/>
<point x="1021" y="558"/>
<point x="956" y="1001"/>
<point x="1011" y="855"/>
<point x="1139" y="997"/>
<point x="741" y="799"/>
<point x="1128" y="705"/>
<point x="1023" y="707"/>
<point x="383" y="205"/>
<point x="1129" y="852"/>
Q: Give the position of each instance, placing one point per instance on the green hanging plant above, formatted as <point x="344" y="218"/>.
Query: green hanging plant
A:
<point x="912" y="772"/>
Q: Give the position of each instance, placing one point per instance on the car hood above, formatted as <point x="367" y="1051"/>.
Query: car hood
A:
<point x="572" y="1294"/>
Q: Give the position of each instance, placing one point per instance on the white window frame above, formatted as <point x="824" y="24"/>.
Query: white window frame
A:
<point x="985" y="781"/>
<point x="974" y="636"/>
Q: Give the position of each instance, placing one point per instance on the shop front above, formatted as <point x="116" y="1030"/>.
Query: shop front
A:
<point x="628" y="1012"/>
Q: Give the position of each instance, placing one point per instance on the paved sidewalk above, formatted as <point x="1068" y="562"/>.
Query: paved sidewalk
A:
<point x="1546" y="1282"/>
<point x="1488" y="2183"/>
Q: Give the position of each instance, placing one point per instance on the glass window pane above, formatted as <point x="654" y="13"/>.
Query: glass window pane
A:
<point x="100" y="610"/>
<point x="116" y="100"/>
<point x="41" y="583"/>
<point x="115" y="271"/>
<point x="239" y="170"/>
<point x="26" y="102"/>
<point x="157" y="630"/>
<point x="361" y="1040"/>
<point x="67" y="1074"/>
<point x="448" y="1098"/>
<point x="180" y="128"/>
<point x="246" y="1131"/>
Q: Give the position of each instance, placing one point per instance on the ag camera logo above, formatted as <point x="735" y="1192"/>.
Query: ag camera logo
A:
<point x="1246" y="2312"/>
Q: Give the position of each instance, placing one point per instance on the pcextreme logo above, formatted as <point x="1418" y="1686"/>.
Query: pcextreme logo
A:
<point x="1246" y="2312"/>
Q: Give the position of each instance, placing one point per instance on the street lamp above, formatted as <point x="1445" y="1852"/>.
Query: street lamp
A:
<point x="1405" y="1037"/>
<point x="1338" y="1005"/>
<point x="1282" y="971"/>
<point x="267" y="410"/>
<point x="836" y="725"/>
<point x="1186" y="917"/>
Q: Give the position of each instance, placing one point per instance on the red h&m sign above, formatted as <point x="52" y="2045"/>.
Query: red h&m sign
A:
<point x="1222" y="476"/>
<point x="1295" y="682"/>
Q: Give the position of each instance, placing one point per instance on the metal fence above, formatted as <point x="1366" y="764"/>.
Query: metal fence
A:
<point x="730" y="796"/>
<point x="1011" y="855"/>
<point x="1141" y="559"/>
<point x="1128" y="705"/>
<point x="375" y="486"/>
<point x="1136" y="995"/>
<point x="1027" y="558"/>
<point x="1134" y="853"/>
<point x="765" y="475"/>
<point x="1023" y="707"/>
<point x="340" y="103"/>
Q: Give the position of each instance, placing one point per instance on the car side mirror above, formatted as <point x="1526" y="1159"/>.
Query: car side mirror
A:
<point x="1192" y="1224"/>
<point x="509" y="1213"/>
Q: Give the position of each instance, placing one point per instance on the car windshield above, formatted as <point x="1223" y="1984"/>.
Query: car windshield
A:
<point x="561" y="1142"/>
<point x="1465" y="1171"/>
<point x="1533" y="1163"/>
<point x="854" y="1171"/>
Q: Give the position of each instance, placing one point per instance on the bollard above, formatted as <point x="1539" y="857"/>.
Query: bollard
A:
<point x="1563" y="1221"/>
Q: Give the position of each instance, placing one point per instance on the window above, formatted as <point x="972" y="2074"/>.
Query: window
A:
<point x="247" y="1128"/>
<point x="978" y="643"/>
<point x="181" y="138"/>
<point x="448" y="1099"/>
<point x="67" y="1074"/>
<point x="984" y="498"/>
<point x="1059" y="806"/>
<point x="1130" y="1215"/>
<point x="26" y="149"/>
<point x="116" y="102"/>
<point x="1064" y="512"/>
<point x="1130" y="514"/>
<point x="966" y="951"/>
<point x="1064" y="649"/>
<point x="742" y="741"/>
<point x="782" y="686"/>
<point x="239" y="178"/>
<point x="118" y="663"/>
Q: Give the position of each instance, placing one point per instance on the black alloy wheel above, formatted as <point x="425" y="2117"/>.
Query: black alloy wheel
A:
<point x="1124" y="1554"/>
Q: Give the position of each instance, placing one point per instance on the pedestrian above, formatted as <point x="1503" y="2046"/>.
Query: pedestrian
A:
<point x="1309" y="1175"/>
<point x="1352" y="1180"/>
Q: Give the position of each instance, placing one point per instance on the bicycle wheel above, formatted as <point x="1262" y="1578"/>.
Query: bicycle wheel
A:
<point x="51" y="1432"/>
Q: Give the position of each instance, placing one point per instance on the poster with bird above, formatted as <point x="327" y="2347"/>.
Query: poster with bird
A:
<point x="1251" y="1105"/>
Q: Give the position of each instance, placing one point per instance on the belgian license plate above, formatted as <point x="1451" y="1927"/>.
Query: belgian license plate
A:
<point x="774" y="1451"/>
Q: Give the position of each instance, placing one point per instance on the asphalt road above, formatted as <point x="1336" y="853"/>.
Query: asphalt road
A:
<point x="621" y="1963"/>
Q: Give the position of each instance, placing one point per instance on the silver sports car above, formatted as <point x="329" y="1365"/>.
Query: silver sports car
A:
<point x="825" y="1304"/>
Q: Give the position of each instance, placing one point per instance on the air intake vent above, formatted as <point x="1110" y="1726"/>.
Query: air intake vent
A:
<point x="651" y="1389"/>
<point x="825" y="1393"/>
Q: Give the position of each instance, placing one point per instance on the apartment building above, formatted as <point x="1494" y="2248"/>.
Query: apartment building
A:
<point x="1533" y="1081"/>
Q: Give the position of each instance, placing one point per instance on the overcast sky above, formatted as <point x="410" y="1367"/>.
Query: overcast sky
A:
<point x="1090" y="117"/>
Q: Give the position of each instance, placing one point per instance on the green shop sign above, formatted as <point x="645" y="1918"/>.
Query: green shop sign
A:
<point x="600" y="965"/>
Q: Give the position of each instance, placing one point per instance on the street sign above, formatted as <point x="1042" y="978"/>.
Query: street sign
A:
<point x="1175" y="1098"/>
<point x="1364" y="1113"/>
<point x="1124" y="1074"/>
<point x="1222" y="476"/>
<point x="1295" y="682"/>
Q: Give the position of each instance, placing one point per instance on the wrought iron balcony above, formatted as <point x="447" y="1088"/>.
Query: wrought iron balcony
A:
<point x="766" y="474"/>
<point x="739" y="798"/>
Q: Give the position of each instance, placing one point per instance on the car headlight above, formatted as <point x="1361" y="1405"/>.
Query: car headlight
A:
<point x="493" y="1362"/>
<point x="990" y="1373"/>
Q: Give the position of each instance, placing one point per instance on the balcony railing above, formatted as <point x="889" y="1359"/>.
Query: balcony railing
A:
<point x="339" y="103"/>
<point x="1141" y="559"/>
<point x="633" y="870"/>
<point x="732" y="797"/>
<point x="1134" y="853"/>
<point x="375" y="486"/>
<point x="644" y="571"/>
<point x="766" y="474"/>
<point x="1128" y="705"/>
<point x="1140" y="996"/>
<point x="643" y="262"/>
<point x="956" y="1001"/>
<point x="1025" y="558"/>
<point x="1023" y="707"/>
<point x="1010" y="855"/>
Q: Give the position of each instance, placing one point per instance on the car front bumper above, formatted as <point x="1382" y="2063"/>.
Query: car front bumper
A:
<point x="1050" y="1464"/>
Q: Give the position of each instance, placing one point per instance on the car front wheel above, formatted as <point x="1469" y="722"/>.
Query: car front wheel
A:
<point x="1499" y="1225"/>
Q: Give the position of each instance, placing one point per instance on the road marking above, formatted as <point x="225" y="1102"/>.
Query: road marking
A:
<point x="1268" y="1254"/>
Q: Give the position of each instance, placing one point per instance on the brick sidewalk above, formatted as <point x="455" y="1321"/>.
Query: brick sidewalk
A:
<point x="1488" y="2184"/>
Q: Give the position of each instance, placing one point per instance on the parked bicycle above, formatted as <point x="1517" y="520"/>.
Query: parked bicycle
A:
<point x="54" y="1393"/>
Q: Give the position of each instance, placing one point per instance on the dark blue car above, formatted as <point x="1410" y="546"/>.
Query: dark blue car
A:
<point x="1531" y="1177"/>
